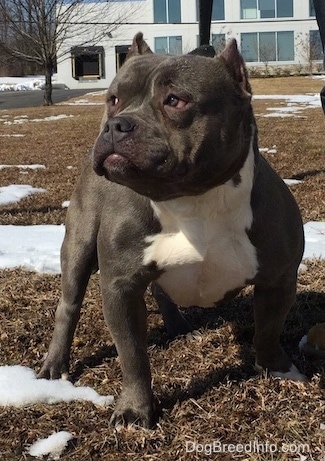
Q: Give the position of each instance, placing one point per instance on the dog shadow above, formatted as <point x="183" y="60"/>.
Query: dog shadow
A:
<point x="308" y="310"/>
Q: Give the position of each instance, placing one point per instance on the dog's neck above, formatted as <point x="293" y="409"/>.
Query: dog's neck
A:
<point x="231" y="198"/>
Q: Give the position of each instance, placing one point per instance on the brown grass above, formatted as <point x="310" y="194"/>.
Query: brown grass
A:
<point x="207" y="388"/>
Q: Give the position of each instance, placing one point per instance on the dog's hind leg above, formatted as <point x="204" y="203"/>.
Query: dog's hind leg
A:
<point x="78" y="261"/>
<point x="174" y="321"/>
<point x="271" y="306"/>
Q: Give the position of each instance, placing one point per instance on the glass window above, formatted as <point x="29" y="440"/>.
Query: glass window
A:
<point x="267" y="46"/>
<point x="311" y="8"/>
<point x="218" y="10"/>
<point x="167" y="11"/>
<point x="172" y="45"/>
<point x="267" y="8"/>
<point x="286" y="46"/>
<point x="218" y="42"/>
<point x="284" y="8"/>
<point x="174" y="11"/>
<point x="315" y="45"/>
<point x="161" y="46"/>
<point x="160" y="11"/>
<point x="175" y="45"/>
<point x="249" y="48"/>
<point x="248" y="9"/>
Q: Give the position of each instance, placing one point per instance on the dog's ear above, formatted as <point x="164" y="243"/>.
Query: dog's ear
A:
<point x="204" y="50"/>
<point x="139" y="46"/>
<point x="236" y="64"/>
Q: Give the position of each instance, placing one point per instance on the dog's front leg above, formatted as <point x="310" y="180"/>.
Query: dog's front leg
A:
<point x="78" y="261"/>
<point x="126" y="316"/>
<point x="271" y="306"/>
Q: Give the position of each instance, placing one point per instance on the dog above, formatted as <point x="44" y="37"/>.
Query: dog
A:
<point x="175" y="194"/>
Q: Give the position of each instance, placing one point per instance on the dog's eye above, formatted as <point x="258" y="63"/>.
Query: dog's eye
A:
<point x="175" y="101"/>
<point x="113" y="100"/>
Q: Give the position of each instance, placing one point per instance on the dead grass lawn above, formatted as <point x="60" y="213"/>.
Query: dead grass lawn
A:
<point x="207" y="388"/>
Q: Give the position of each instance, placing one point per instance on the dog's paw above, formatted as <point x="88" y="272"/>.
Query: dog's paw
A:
<point x="293" y="374"/>
<point x="52" y="369"/>
<point x="136" y="415"/>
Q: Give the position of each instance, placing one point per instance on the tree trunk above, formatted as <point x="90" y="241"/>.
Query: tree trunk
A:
<point x="48" y="85"/>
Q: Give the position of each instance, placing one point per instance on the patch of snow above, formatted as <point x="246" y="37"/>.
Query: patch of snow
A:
<point x="53" y="446"/>
<point x="20" y="387"/>
<point x="314" y="240"/>
<point x="52" y="118"/>
<point x="35" y="248"/>
<point x="11" y="135"/>
<point x="82" y="102"/>
<point x="33" y="82"/>
<point x="295" y="104"/>
<point x="35" y="166"/>
<point x="16" y="192"/>
<point x="292" y="182"/>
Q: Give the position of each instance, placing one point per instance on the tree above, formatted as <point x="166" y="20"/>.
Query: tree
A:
<point x="319" y="7"/>
<point x="310" y="46"/>
<point x="41" y="31"/>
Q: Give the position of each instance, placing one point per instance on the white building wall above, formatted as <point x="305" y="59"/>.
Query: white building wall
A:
<point x="141" y="19"/>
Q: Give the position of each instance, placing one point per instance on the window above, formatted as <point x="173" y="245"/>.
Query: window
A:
<point x="265" y="9"/>
<point x="315" y="45"/>
<point x="218" y="10"/>
<point x="284" y="8"/>
<point x="249" y="47"/>
<point x="172" y="45"/>
<point x="285" y="49"/>
<point x="87" y="62"/>
<point x="248" y="9"/>
<point x="167" y="11"/>
<point x="268" y="46"/>
<point x="218" y="42"/>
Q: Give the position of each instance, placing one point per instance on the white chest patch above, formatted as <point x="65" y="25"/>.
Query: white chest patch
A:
<point x="203" y="247"/>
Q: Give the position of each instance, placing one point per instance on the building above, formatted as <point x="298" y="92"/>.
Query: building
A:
<point x="279" y="33"/>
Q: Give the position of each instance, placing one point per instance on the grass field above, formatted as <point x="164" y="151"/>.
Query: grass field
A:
<point x="207" y="388"/>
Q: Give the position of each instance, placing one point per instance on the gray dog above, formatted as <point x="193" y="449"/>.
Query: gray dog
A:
<point x="176" y="194"/>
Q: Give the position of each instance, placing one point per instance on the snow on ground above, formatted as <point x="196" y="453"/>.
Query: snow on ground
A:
<point x="24" y="119"/>
<point x="21" y="83"/>
<point x="16" y="192"/>
<point x="294" y="104"/>
<point x="53" y="446"/>
<point x="34" y="166"/>
<point x="37" y="248"/>
<point x="20" y="387"/>
<point x="33" y="82"/>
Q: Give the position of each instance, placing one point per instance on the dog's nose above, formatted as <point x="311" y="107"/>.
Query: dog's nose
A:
<point x="119" y="128"/>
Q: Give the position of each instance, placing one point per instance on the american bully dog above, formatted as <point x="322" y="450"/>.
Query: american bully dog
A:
<point x="175" y="194"/>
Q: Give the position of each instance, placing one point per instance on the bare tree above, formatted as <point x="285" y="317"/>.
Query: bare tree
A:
<point x="310" y="47"/>
<point x="43" y="31"/>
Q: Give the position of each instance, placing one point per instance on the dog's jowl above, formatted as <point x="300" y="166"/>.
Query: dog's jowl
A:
<point x="175" y="194"/>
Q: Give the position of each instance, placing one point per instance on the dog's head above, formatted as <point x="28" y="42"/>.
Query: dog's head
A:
<point x="175" y="125"/>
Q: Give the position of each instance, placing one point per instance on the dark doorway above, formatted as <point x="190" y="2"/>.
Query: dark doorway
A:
<point x="121" y="52"/>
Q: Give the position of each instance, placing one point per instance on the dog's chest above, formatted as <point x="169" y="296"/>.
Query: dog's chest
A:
<point x="203" y="248"/>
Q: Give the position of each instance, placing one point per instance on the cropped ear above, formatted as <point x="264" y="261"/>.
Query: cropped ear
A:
<point x="236" y="64"/>
<point x="139" y="46"/>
